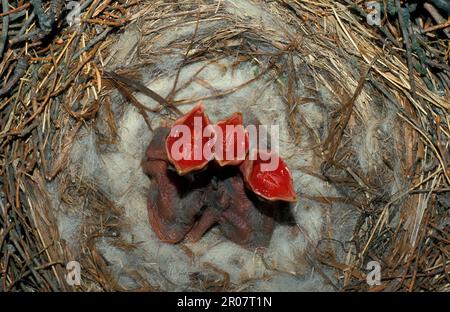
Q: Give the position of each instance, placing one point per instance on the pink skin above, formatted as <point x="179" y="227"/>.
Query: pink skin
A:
<point x="181" y="208"/>
<point x="172" y="212"/>
<point x="247" y="221"/>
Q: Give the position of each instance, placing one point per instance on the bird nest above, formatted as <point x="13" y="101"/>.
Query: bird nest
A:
<point x="363" y="119"/>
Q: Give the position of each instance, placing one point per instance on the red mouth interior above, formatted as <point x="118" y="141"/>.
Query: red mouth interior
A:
<point x="269" y="183"/>
<point x="186" y="208"/>
<point x="188" y="162"/>
<point x="235" y="142"/>
<point x="274" y="184"/>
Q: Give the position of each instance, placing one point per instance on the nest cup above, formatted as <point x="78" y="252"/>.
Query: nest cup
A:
<point x="348" y="130"/>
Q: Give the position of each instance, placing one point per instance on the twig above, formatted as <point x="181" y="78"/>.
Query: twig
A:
<point x="333" y="140"/>
<point x="19" y="72"/>
<point x="137" y="86"/>
<point x="438" y="26"/>
<point x="98" y="21"/>
<point x="4" y="36"/>
<point x="403" y="25"/>
<point x="383" y="29"/>
<point x="19" y="8"/>
<point x="27" y="23"/>
<point x="437" y="17"/>
<point x="92" y="43"/>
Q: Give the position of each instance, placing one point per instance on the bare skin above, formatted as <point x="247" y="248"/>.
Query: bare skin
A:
<point x="172" y="209"/>
<point x="187" y="207"/>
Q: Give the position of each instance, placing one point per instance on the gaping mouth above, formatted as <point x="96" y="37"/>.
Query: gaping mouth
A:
<point x="229" y="186"/>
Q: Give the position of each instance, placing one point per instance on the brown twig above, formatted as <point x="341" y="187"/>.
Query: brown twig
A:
<point x="437" y="17"/>
<point x="403" y="26"/>
<point x="19" y="8"/>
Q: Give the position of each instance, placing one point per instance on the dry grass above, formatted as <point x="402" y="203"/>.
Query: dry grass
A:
<point x="55" y="84"/>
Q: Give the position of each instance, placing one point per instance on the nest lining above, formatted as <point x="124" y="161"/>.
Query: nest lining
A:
<point x="267" y="96"/>
<point x="343" y="130"/>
